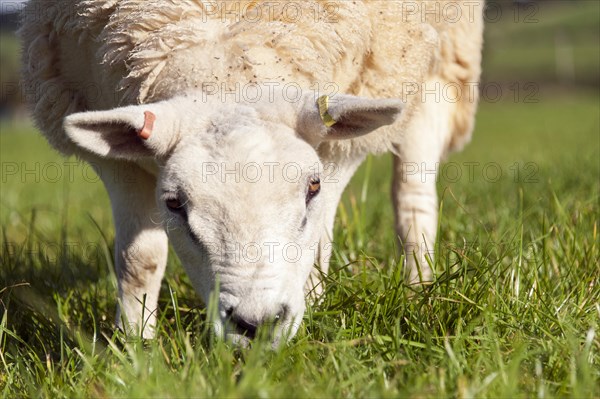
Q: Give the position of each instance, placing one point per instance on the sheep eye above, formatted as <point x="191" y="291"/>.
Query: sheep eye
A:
<point x="314" y="186"/>
<point x="174" y="205"/>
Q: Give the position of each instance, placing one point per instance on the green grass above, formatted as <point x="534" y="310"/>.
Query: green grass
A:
<point x="513" y="311"/>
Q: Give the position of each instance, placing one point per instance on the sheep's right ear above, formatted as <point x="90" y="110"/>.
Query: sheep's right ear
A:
<point x="130" y="132"/>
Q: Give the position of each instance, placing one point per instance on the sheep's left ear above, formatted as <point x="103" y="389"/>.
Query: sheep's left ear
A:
<point x="130" y="132"/>
<point x="343" y="116"/>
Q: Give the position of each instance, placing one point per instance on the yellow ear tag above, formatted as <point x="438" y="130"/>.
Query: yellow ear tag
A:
<point x="323" y="104"/>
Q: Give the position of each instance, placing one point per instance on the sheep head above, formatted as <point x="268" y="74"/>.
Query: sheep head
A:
<point x="239" y="191"/>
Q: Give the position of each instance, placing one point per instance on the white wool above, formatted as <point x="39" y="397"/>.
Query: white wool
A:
<point x="137" y="51"/>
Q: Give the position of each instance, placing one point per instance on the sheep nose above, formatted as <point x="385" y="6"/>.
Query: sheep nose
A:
<point x="248" y="327"/>
<point x="244" y="327"/>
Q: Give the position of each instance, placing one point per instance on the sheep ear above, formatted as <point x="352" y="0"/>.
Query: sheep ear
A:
<point x="344" y="117"/>
<point x="129" y="132"/>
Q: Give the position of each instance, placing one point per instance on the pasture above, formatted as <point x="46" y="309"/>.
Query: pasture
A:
<point x="513" y="311"/>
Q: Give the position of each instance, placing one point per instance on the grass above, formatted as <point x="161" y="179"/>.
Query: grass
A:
<point x="514" y="310"/>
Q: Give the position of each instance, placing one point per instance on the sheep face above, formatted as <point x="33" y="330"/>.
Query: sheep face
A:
<point x="242" y="207"/>
<point x="241" y="192"/>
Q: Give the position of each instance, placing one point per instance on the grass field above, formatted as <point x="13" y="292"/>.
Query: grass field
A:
<point x="513" y="312"/>
<point x="514" y="309"/>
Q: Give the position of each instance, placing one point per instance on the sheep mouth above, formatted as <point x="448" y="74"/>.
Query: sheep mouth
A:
<point x="244" y="332"/>
<point x="245" y="336"/>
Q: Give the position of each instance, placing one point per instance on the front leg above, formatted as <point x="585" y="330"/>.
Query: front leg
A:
<point x="141" y="244"/>
<point x="416" y="212"/>
<point x="414" y="193"/>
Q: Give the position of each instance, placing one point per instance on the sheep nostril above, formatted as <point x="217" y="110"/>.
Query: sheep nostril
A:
<point x="243" y="327"/>
<point x="281" y="315"/>
<point x="249" y="328"/>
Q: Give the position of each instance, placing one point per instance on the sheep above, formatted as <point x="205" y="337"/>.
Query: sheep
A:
<point x="187" y="93"/>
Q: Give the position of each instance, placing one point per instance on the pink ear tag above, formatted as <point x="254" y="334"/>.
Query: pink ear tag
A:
<point x="146" y="130"/>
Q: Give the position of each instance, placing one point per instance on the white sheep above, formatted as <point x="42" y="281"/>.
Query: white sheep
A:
<point x="212" y="108"/>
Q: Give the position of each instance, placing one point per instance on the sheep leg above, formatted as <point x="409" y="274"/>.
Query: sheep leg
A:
<point x="414" y="193"/>
<point x="141" y="244"/>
